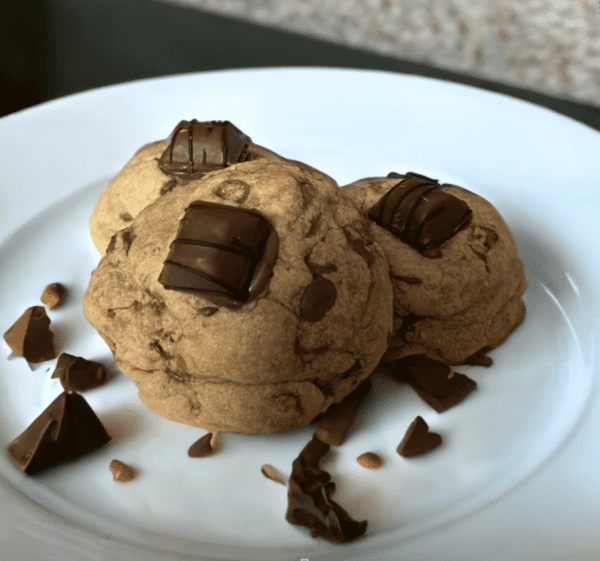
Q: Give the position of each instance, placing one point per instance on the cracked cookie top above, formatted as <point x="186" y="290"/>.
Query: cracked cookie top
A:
<point x="315" y="331"/>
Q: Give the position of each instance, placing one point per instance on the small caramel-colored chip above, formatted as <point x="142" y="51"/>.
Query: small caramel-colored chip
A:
<point x="205" y="446"/>
<point x="53" y="295"/>
<point x="370" y="460"/>
<point x="121" y="472"/>
<point x="271" y="473"/>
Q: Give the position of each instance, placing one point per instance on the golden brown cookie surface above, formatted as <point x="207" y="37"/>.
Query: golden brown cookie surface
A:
<point x="452" y="306"/>
<point x="268" y="365"/>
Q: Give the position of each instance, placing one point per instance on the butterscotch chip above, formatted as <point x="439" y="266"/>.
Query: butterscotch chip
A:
<point x="205" y="446"/>
<point x="121" y="472"/>
<point x="271" y="473"/>
<point x="370" y="460"/>
<point x="53" y="295"/>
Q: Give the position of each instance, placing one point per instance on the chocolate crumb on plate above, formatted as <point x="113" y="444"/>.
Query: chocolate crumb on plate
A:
<point x="433" y="381"/>
<point x="78" y="374"/>
<point x="418" y="439"/>
<point x="53" y="295"/>
<point x="309" y="499"/>
<point x="30" y="336"/>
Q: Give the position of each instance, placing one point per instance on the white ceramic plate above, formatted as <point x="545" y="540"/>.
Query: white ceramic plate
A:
<point x="516" y="477"/>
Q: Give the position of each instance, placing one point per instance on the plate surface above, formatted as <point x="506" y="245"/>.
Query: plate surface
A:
<point x="517" y="453"/>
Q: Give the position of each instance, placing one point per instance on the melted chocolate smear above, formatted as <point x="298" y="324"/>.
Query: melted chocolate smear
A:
<point x="410" y="280"/>
<point x="67" y="429"/>
<point x="358" y="246"/>
<point x="122" y="239"/>
<point x="168" y="186"/>
<point x="30" y="336"/>
<point x="318" y="298"/>
<point x="309" y="499"/>
<point x="429" y="378"/>
<point x="77" y="374"/>
<point x="418" y="439"/>
<point x="408" y="325"/>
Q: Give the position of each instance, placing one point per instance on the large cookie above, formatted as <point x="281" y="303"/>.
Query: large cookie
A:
<point x="273" y="363"/>
<point x="456" y="306"/>
<point x="143" y="180"/>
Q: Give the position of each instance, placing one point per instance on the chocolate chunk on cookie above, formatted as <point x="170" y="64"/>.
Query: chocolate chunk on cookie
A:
<point x="466" y="297"/>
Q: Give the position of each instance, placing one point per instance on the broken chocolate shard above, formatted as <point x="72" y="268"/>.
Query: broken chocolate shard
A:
<point x="67" y="429"/>
<point x="199" y="147"/>
<point x="318" y="298"/>
<point x="30" y="336"/>
<point x="433" y="381"/>
<point x="420" y="213"/>
<point x="309" y="499"/>
<point x="418" y="439"/>
<point x="335" y="423"/>
<point x="224" y="253"/>
<point x="77" y="374"/>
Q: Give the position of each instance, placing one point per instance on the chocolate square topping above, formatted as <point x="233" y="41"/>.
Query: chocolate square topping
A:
<point x="420" y="213"/>
<point x="199" y="147"/>
<point x="217" y="251"/>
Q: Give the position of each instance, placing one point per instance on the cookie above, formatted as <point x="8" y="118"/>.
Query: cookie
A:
<point x="463" y="302"/>
<point x="272" y="363"/>
<point x="148" y="174"/>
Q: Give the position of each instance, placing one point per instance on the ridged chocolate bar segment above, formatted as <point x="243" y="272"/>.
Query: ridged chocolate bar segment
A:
<point x="217" y="251"/>
<point x="199" y="147"/>
<point x="420" y="213"/>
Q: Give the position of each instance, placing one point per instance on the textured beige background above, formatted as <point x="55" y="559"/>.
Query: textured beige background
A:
<point x="552" y="46"/>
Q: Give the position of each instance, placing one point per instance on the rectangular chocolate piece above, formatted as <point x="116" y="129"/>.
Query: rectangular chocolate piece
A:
<point x="217" y="251"/>
<point x="430" y="379"/>
<point x="198" y="147"/>
<point x="418" y="212"/>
